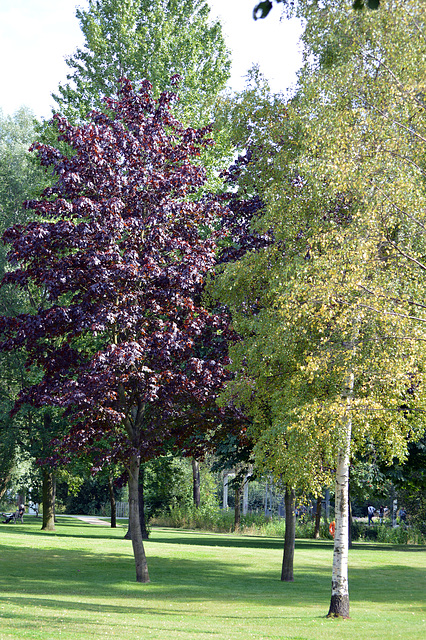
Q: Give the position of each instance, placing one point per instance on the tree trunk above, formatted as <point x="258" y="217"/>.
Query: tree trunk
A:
<point x="318" y="518"/>
<point x="4" y="485"/>
<point x="327" y="506"/>
<point x="339" y="605"/>
<point x="225" y="491"/>
<point x="20" y="499"/>
<point x="112" y="502"/>
<point x="237" y="510"/>
<point x="134" y="521"/>
<point x="290" y="534"/>
<point x="142" y="518"/>
<point x="48" y="500"/>
<point x="349" y="521"/>
<point x="196" y="482"/>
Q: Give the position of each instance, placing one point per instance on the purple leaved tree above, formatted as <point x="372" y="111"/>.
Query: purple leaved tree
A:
<point x="119" y="248"/>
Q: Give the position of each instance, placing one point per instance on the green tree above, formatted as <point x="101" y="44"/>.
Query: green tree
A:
<point x="20" y="177"/>
<point x="409" y="480"/>
<point x="337" y="343"/>
<point x="152" y="39"/>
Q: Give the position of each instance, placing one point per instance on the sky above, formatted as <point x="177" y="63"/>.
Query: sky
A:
<point x="36" y="35"/>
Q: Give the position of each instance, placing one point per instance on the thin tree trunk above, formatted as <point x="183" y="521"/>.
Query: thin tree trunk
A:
<point x="4" y="485"/>
<point x="237" y="510"/>
<point x="48" y="500"/>
<point x="327" y="506"/>
<point x="318" y="518"/>
<point x="112" y="502"/>
<point x="339" y="605"/>
<point x="196" y="482"/>
<point x="290" y="535"/>
<point x="134" y="521"/>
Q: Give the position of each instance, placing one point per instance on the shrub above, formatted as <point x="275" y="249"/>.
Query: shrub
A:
<point x="386" y="533"/>
<point x="212" y="518"/>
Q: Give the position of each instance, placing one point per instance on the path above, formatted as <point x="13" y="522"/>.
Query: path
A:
<point x="89" y="520"/>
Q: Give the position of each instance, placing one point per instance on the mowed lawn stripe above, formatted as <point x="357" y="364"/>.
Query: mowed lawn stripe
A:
<point x="79" y="583"/>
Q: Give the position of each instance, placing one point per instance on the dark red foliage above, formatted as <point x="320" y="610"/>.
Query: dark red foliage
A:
<point x="120" y="247"/>
<point x="243" y="211"/>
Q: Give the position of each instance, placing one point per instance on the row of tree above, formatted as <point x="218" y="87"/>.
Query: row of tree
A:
<point x="148" y="279"/>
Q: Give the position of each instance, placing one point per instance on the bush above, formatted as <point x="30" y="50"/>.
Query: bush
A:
<point x="386" y="533"/>
<point x="212" y="518"/>
<point x="400" y="535"/>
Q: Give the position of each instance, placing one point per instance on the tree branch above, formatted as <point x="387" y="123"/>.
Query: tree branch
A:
<point x="392" y="313"/>
<point x="401" y="300"/>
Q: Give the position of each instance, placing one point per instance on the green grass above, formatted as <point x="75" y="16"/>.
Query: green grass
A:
<point x="78" y="583"/>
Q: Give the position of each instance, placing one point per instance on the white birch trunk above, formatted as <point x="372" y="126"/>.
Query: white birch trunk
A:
<point x="339" y="605"/>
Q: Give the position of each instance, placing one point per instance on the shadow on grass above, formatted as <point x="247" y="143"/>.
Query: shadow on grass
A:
<point x="67" y="528"/>
<point x="73" y="528"/>
<point x="181" y="536"/>
<point x="70" y="527"/>
<point x="105" y="574"/>
<point x="141" y="610"/>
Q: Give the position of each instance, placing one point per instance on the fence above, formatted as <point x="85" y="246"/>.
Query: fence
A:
<point x="122" y="509"/>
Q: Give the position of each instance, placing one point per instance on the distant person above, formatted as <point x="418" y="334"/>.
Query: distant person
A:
<point x="370" y="510"/>
<point x="402" y="515"/>
<point x="381" y="514"/>
<point x="20" y="513"/>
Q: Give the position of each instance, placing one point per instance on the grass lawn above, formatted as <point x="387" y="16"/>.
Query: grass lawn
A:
<point x="78" y="583"/>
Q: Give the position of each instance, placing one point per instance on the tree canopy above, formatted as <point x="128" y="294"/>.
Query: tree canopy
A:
<point x="152" y="39"/>
<point x="332" y="314"/>
<point x="263" y="8"/>
<point x="119" y="247"/>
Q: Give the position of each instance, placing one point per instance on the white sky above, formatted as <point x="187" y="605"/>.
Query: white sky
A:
<point x="36" y="35"/>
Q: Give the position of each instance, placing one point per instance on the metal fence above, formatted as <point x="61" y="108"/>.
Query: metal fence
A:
<point x="122" y="509"/>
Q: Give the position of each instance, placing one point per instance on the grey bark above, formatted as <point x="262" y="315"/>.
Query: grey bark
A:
<point x="141" y="564"/>
<point x="237" y="509"/>
<point x="318" y="518"/>
<point x="290" y="535"/>
<point x="112" y="502"/>
<point x="196" y="482"/>
<point x="142" y="518"/>
<point x="49" y="494"/>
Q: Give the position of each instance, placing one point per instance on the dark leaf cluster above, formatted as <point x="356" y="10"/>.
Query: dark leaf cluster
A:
<point x="119" y="247"/>
<point x="243" y="212"/>
<point x="263" y="8"/>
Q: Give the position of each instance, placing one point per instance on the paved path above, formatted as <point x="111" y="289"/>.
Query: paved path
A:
<point x="90" y="520"/>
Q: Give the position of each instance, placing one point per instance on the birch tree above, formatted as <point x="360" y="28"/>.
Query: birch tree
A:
<point x="348" y="222"/>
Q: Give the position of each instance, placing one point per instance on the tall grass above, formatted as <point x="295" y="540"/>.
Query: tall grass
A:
<point x="216" y="520"/>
